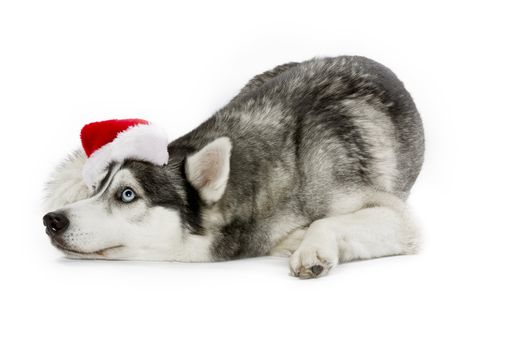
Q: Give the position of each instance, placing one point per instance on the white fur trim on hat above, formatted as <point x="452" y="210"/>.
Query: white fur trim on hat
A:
<point x="144" y="142"/>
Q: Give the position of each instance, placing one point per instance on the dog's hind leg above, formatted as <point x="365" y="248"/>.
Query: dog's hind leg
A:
<point x="367" y="233"/>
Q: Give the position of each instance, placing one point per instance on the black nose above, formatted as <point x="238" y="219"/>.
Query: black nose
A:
<point x="55" y="223"/>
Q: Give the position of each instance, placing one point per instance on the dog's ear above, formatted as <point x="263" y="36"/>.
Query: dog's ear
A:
<point x="208" y="169"/>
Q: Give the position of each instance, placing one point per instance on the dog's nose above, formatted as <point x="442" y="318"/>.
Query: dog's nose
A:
<point x="56" y="223"/>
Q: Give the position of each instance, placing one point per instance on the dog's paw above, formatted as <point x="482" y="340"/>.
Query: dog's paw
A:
<point x="314" y="260"/>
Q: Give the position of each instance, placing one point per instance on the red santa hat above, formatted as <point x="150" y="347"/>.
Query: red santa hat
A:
<point x="116" y="140"/>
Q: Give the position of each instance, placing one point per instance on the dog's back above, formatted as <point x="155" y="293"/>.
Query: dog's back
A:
<point x="306" y="135"/>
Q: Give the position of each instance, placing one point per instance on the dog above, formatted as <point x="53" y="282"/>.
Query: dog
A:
<point x="311" y="160"/>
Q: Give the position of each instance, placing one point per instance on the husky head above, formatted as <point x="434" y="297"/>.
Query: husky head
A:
<point x="138" y="211"/>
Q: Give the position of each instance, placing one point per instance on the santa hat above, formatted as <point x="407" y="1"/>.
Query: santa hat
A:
<point x="116" y="140"/>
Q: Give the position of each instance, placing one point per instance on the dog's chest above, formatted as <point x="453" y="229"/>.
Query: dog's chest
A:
<point x="249" y="238"/>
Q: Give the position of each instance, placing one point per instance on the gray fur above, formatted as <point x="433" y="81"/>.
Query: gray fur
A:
<point x="301" y="133"/>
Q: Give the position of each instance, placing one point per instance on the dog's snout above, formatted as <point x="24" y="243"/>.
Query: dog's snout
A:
<point x="56" y="223"/>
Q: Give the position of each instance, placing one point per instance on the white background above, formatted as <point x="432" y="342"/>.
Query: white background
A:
<point x="66" y="63"/>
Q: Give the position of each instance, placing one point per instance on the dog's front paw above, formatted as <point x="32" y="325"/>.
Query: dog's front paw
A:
<point x="313" y="260"/>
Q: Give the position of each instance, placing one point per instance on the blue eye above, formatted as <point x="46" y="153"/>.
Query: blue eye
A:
<point x="128" y="195"/>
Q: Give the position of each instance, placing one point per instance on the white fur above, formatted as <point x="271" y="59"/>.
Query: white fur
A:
<point x="289" y="244"/>
<point x="319" y="247"/>
<point x="101" y="227"/>
<point x="145" y="142"/>
<point x="208" y="169"/>
<point x="66" y="184"/>
<point x="360" y="226"/>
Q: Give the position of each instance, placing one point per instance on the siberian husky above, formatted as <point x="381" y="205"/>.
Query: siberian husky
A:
<point x="311" y="160"/>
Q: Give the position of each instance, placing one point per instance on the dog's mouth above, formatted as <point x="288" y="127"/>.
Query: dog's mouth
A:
<point x="101" y="252"/>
